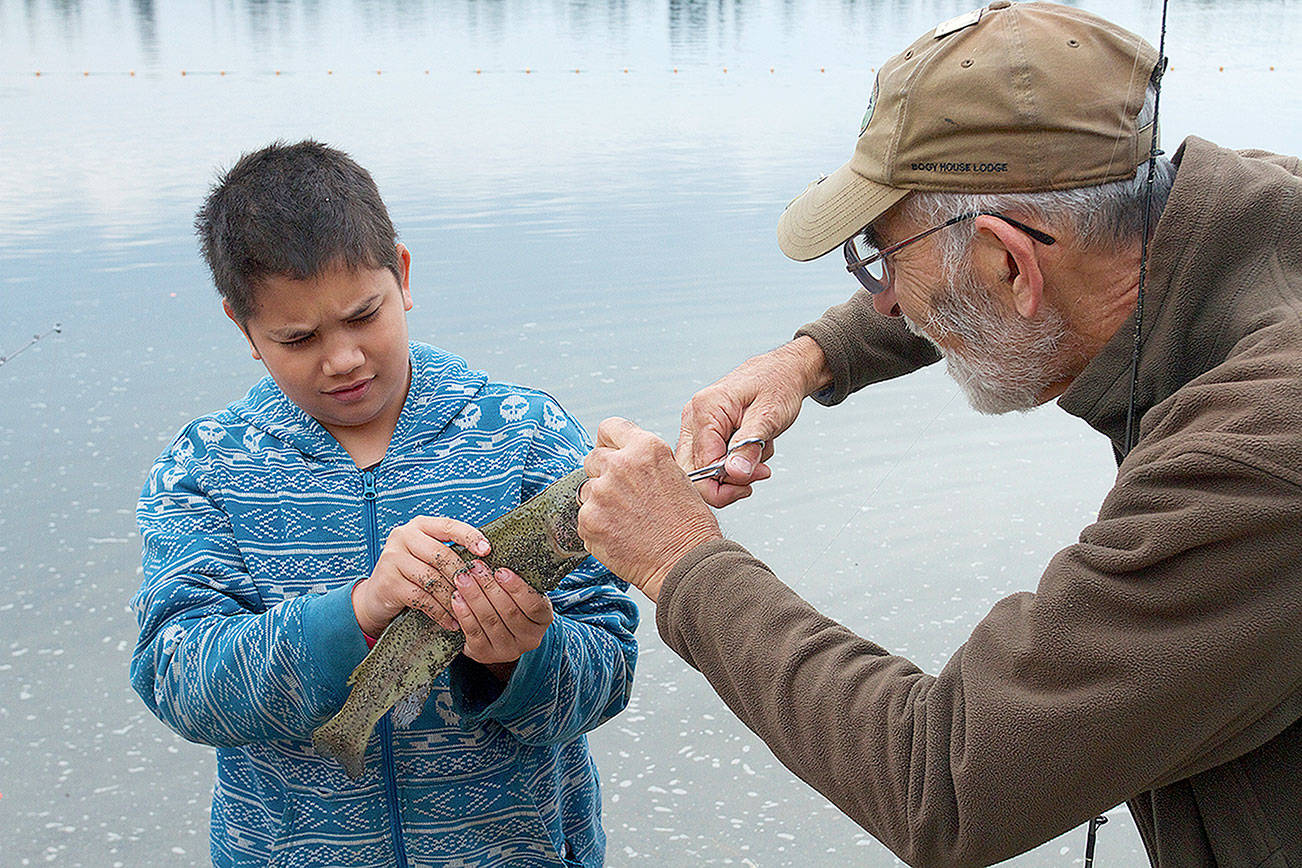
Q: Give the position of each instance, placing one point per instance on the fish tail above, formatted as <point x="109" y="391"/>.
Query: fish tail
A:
<point x="340" y="741"/>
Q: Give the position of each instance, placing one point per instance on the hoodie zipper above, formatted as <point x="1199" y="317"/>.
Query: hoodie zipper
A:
<point x="388" y="769"/>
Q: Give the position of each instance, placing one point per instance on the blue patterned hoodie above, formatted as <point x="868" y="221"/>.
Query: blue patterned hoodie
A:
<point x="256" y="524"/>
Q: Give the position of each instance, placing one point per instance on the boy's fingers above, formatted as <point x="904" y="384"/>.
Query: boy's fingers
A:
<point x="431" y="553"/>
<point x="490" y="603"/>
<point x="469" y="624"/>
<point x="535" y="606"/>
<point x="480" y="622"/>
<point x="450" y="530"/>
<point x="428" y="590"/>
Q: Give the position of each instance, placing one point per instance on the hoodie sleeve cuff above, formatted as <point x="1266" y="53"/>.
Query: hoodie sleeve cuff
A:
<point x="335" y="644"/>
<point x="838" y="361"/>
<point x="478" y="696"/>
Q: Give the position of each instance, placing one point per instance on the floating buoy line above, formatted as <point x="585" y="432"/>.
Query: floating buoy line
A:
<point x="527" y="70"/>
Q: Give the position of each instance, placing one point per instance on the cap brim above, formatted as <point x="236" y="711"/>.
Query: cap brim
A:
<point x="830" y="211"/>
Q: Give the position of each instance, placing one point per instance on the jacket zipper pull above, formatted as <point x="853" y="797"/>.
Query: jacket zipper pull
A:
<point x="368" y="485"/>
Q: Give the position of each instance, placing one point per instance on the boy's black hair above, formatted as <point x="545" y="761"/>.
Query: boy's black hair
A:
<point x="292" y="210"/>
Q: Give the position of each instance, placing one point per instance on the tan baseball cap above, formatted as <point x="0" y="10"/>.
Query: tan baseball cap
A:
<point x="1010" y="98"/>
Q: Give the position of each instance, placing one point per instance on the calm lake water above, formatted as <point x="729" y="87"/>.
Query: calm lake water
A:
<point x="606" y="234"/>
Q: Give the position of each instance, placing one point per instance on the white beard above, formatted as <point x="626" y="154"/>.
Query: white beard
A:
<point x="1005" y="362"/>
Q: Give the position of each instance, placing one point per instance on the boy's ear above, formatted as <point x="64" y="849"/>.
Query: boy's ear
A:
<point x="230" y="314"/>
<point x="404" y="264"/>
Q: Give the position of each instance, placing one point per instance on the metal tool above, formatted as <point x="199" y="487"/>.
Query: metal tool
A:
<point x="716" y="470"/>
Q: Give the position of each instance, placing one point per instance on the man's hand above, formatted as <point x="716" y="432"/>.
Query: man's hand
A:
<point x="761" y="398"/>
<point x="416" y="570"/>
<point x="501" y="616"/>
<point x="640" y="515"/>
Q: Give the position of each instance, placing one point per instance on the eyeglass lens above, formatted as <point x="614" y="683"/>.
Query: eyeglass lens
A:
<point x="872" y="275"/>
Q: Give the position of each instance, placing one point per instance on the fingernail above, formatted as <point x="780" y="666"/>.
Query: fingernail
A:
<point x="740" y="466"/>
<point x="479" y="569"/>
<point x="464" y="581"/>
<point x="456" y="599"/>
<point x="482" y="547"/>
<point x="502" y="577"/>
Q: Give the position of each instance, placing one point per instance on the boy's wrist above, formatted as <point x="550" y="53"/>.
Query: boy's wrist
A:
<point x="370" y="627"/>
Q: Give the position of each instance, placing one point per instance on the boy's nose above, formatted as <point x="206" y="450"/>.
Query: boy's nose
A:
<point x="342" y="358"/>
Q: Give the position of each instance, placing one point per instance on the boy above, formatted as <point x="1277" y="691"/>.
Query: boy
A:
<point x="283" y="533"/>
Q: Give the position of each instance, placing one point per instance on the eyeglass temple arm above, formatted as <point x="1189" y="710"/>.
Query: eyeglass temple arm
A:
<point x="1042" y="237"/>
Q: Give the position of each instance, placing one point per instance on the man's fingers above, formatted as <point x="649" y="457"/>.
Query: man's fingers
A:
<point x="616" y="432"/>
<point x="742" y="463"/>
<point x="704" y="430"/>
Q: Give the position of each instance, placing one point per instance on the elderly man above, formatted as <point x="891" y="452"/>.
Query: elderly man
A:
<point x="994" y="212"/>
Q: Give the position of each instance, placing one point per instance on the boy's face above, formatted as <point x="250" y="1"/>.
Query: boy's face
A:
<point x="336" y="344"/>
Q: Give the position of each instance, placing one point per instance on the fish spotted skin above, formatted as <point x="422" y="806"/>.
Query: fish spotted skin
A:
<point x="538" y="540"/>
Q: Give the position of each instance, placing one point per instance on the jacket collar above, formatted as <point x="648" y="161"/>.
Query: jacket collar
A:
<point x="441" y="386"/>
<point x="1223" y="213"/>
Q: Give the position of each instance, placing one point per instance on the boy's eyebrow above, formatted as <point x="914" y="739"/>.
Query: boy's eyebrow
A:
<point x="291" y="332"/>
<point x="364" y="306"/>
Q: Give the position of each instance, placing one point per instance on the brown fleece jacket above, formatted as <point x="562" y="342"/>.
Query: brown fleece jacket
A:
<point x="1158" y="661"/>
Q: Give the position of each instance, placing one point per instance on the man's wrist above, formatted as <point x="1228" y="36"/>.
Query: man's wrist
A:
<point x="651" y="587"/>
<point x="809" y="364"/>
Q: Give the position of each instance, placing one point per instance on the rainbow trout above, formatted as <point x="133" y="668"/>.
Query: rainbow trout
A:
<point x="539" y="540"/>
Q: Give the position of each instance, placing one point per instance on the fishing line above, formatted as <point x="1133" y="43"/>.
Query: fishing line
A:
<point x="55" y="329"/>
<point x="1153" y="153"/>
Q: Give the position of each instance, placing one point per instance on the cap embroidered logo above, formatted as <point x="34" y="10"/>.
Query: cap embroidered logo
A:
<point x="868" y="115"/>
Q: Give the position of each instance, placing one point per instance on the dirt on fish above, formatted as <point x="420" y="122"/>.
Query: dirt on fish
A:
<point x="539" y="540"/>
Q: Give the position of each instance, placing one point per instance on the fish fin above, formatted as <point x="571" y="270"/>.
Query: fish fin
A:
<point x="347" y="745"/>
<point x="407" y="709"/>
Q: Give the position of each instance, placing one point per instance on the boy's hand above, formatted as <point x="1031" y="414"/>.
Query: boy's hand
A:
<point x="501" y="616"/>
<point x="416" y="570"/>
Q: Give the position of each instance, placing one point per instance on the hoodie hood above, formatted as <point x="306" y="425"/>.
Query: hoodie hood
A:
<point x="441" y="387"/>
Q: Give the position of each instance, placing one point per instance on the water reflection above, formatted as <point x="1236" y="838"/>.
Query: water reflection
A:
<point x="608" y="236"/>
<point x="147" y="28"/>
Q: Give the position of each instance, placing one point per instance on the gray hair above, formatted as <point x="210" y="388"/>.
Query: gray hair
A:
<point x="1106" y="217"/>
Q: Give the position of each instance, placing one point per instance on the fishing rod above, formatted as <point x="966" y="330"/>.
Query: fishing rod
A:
<point x="1153" y="153"/>
<point x="55" y="329"/>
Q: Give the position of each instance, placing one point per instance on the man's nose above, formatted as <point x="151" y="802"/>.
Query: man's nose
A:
<point x="885" y="303"/>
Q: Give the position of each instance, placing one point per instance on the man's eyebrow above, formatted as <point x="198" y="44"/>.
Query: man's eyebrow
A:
<point x="871" y="237"/>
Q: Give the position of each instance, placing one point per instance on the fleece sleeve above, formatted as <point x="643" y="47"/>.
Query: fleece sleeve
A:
<point x="862" y="347"/>
<point x="211" y="661"/>
<point x="582" y="673"/>
<point x="1163" y="644"/>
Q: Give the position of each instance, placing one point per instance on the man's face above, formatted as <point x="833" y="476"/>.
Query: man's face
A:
<point x="1002" y="360"/>
<point x="336" y="344"/>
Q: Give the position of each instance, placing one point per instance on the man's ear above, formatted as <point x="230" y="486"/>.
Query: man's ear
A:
<point x="404" y="265"/>
<point x="1006" y="254"/>
<point x="230" y="314"/>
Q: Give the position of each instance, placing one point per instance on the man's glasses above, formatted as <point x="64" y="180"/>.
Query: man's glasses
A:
<point x="869" y="266"/>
